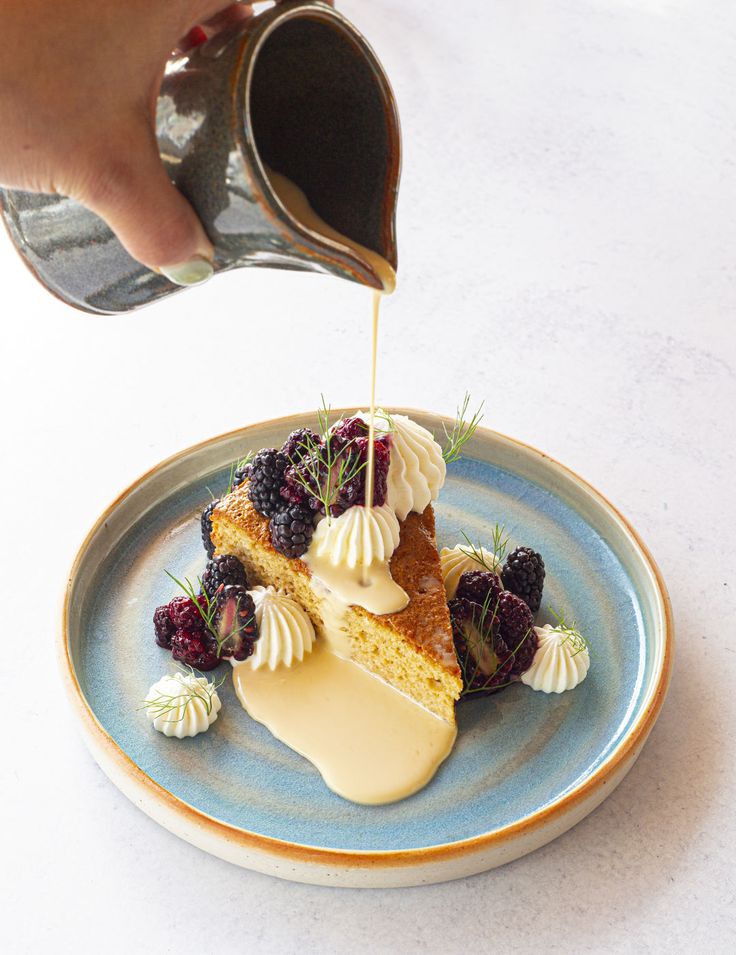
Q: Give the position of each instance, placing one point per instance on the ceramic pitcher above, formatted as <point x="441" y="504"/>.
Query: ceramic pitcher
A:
<point x="296" y="89"/>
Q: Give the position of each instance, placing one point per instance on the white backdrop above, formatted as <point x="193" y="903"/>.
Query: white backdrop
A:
<point x="567" y="245"/>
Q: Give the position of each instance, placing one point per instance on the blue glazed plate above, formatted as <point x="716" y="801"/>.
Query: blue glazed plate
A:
<point x="526" y="766"/>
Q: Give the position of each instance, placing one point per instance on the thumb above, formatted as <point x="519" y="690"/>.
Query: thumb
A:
<point x="130" y="189"/>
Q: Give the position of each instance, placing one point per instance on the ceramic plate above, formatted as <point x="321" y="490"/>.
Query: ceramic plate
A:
<point x="526" y="766"/>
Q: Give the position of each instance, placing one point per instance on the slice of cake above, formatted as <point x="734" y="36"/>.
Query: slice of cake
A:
<point x="412" y="649"/>
<point x="410" y="646"/>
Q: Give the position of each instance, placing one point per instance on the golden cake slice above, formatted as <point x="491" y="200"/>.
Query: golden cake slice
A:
<point x="412" y="650"/>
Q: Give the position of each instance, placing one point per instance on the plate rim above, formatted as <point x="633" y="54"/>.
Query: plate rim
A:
<point x="611" y="769"/>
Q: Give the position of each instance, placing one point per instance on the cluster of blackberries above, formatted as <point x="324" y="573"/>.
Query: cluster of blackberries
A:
<point x="333" y="474"/>
<point x="492" y="620"/>
<point x="291" y="522"/>
<point x="294" y="485"/>
<point x="219" y="622"/>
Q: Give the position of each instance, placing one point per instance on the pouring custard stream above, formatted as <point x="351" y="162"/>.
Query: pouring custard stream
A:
<point x="297" y="204"/>
<point x="371" y="743"/>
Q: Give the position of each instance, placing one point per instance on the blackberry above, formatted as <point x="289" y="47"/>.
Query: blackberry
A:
<point x="484" y="658"/>
<point x="266" y="478"/>
<point x="300" y="443"/>
<point x="292" y="529"/>
<point x="196" y="648"/>
<point x="235" y="622"/>
<point x="163" y="626"/>
<point x="352" y="434"/>
<point x="480" y="586"/>
<point x="523" y="575"/>
<point x="240" y="474"/>
<point x="184" y="614"/>
<point x="311" y="483"/>
<point x="319" y="479"/>
<point x="350" y="428"/>
<point x="516" y="628"/>
<point x="224" y="569"/>
<point x="355" y="488"/>
<point x="206" y="522"/>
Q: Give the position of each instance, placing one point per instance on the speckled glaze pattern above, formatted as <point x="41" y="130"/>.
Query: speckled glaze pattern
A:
<point x="526" y="766"/>
<point x="297" y="88"/>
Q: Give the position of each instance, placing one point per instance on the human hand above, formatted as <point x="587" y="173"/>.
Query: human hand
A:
<point x="78" y="86"/>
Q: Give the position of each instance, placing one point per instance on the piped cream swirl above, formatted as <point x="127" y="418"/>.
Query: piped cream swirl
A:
<point x="182" y="705"/>
<point x="285" y="632"/>
<point x="360" y="536"/>
<point x="559" y="664"/>
<point x="350" y="555"/>
<point x="416" y="470"/>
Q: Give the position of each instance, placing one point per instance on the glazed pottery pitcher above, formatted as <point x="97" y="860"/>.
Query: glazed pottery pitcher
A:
<point x="296" y="89"/>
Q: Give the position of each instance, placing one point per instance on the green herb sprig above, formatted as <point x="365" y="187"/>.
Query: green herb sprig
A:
<point x="323" y="417"/>
<point x="498" y="547"/>
<point x="236" y="466"/>
<point x="571" y="633"/>
<point x="381" y="415"/>
<point x="207" y="613"/>
<point x="462" y="430"/>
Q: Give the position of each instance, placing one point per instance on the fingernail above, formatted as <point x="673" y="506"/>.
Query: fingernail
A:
<point x="192" y="272"/>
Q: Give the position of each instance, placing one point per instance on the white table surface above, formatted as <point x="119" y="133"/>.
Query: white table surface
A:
<point x="568" y="252"/>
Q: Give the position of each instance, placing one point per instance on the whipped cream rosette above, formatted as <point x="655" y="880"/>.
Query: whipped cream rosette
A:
<point x="561" y="662"/>
<point x="285" y="632"/>
<point x="182" y="704"/>
<point x="417" y="469"/>
<point x="350" y="556"/>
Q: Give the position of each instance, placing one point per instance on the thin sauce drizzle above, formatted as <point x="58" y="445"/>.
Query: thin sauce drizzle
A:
<point x="297" y="204"/>
<point x="370" y="466"/>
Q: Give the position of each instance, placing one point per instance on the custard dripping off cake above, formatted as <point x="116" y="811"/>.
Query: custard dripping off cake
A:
<point x="410" y="648"/>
